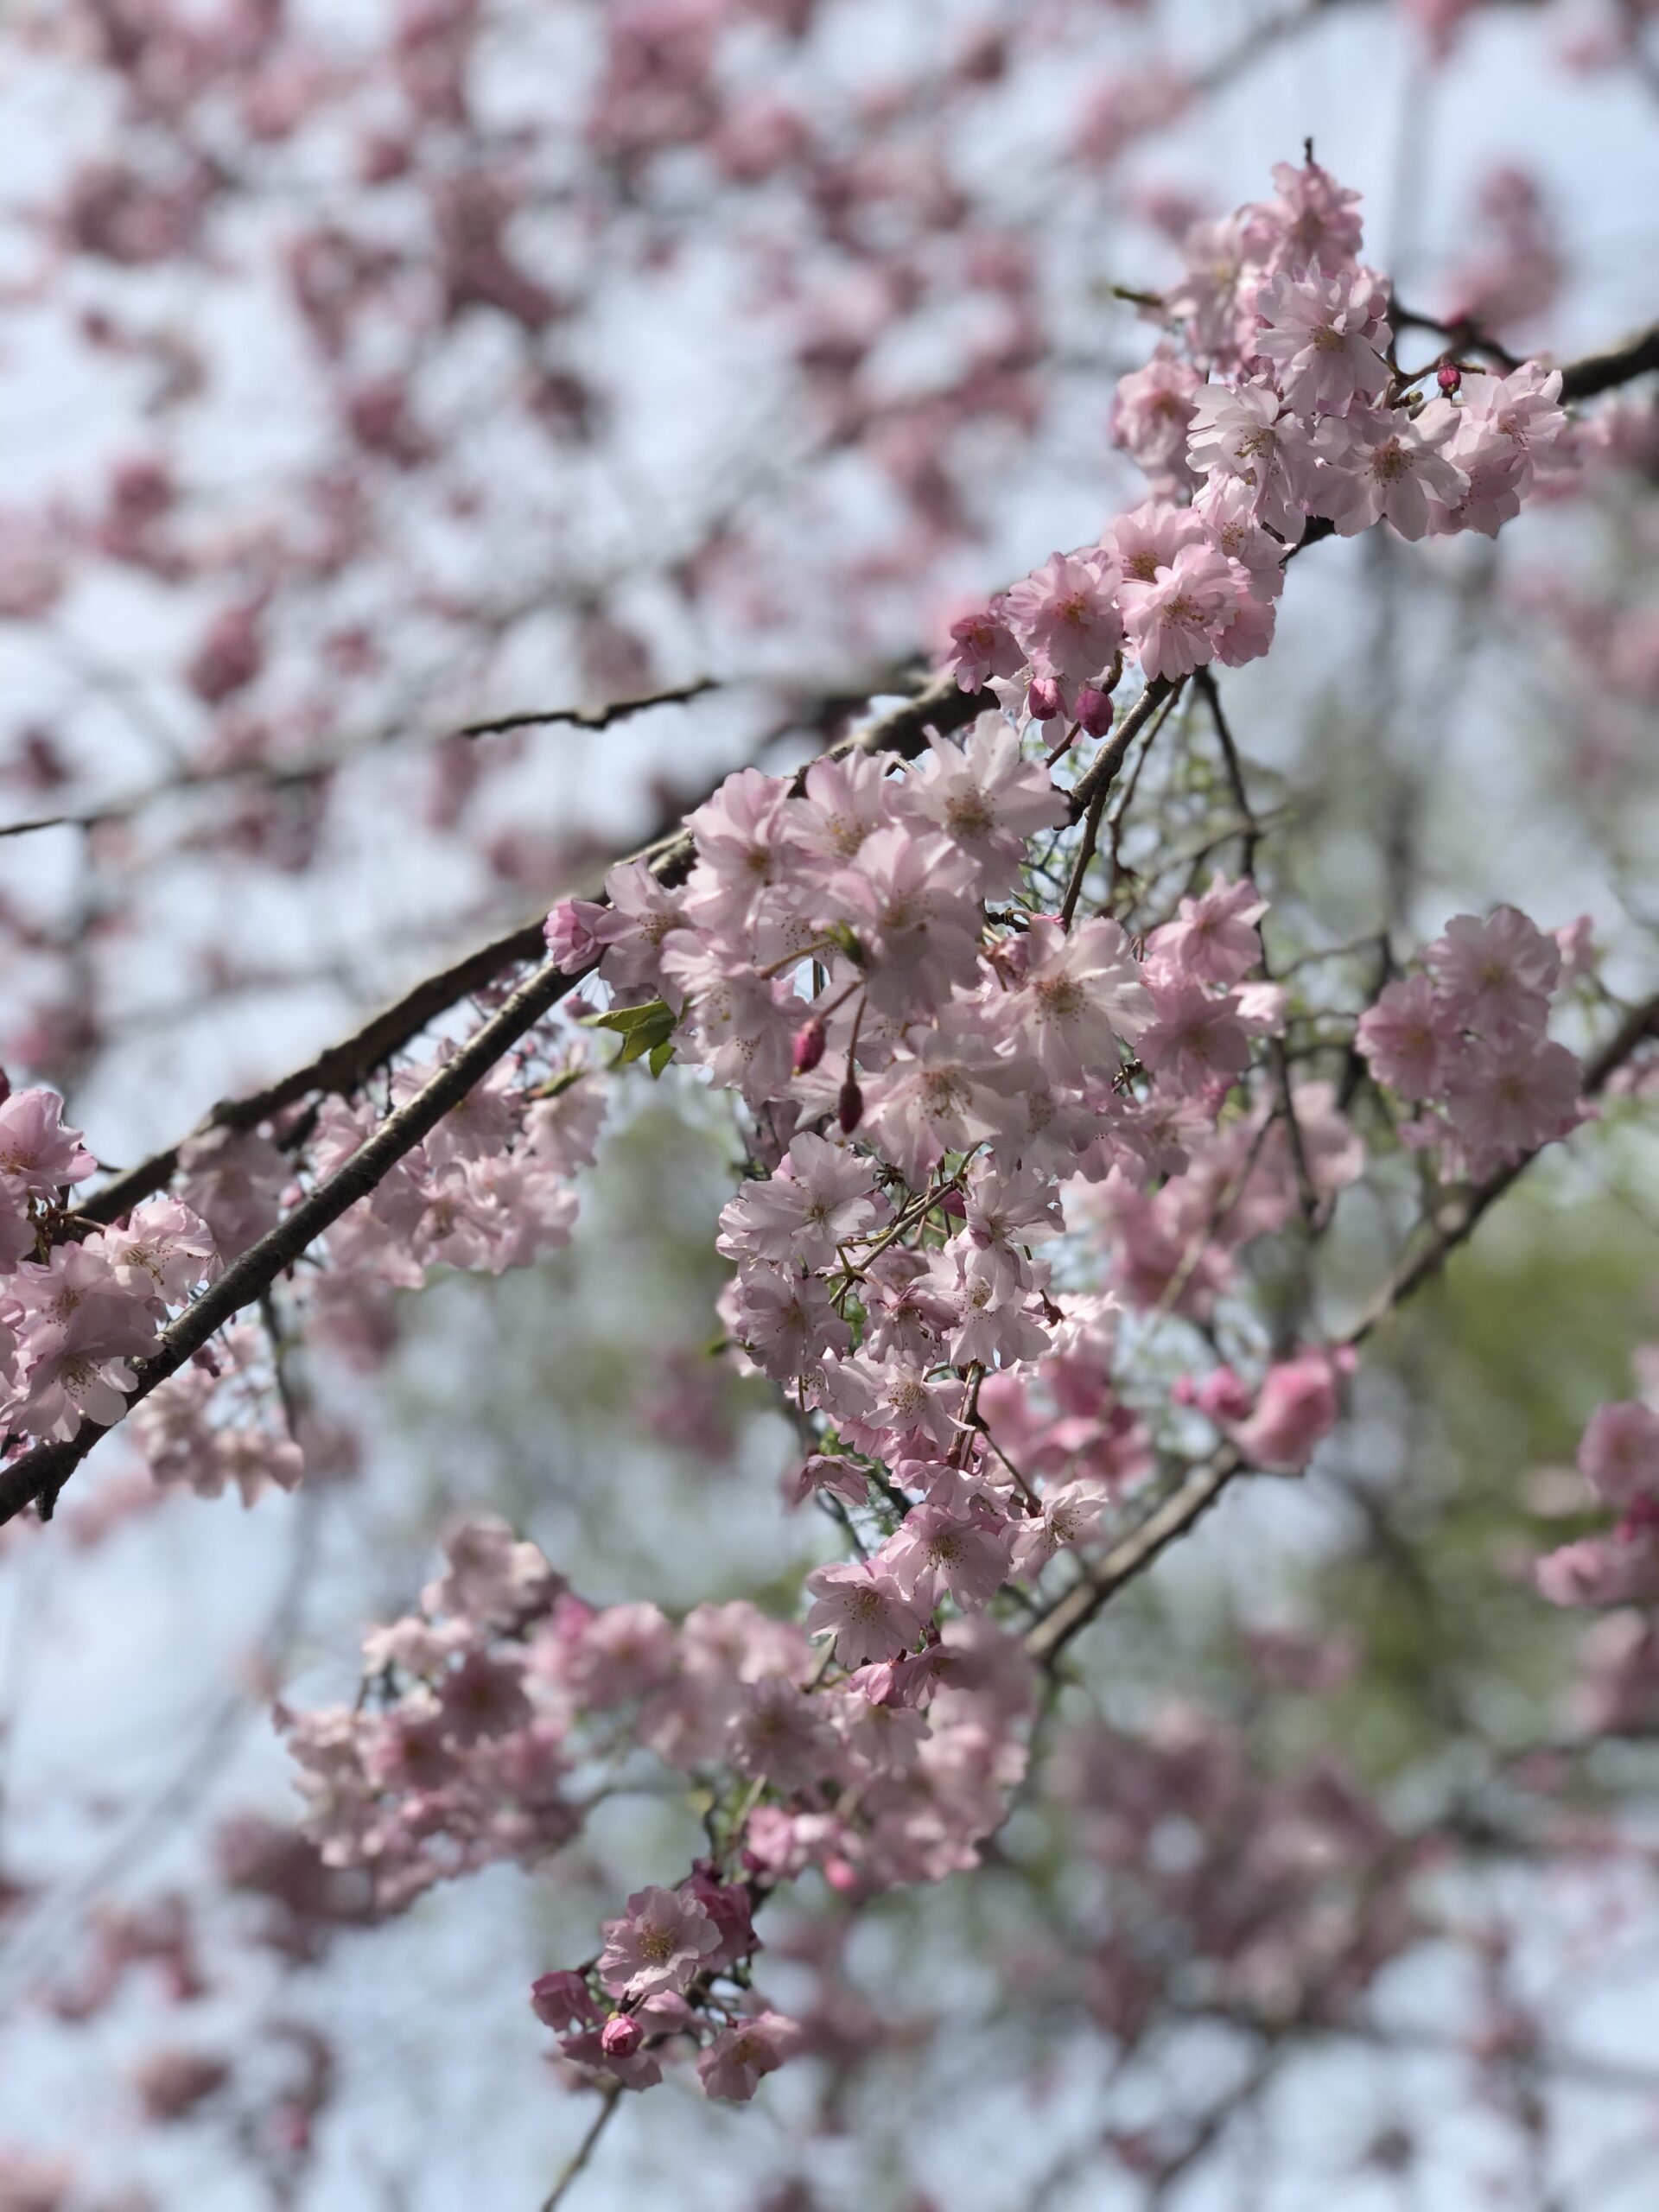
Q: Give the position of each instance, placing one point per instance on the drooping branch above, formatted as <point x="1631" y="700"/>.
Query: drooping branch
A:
<point x="40" y="1473"/>
<point x="1203" y="1483"/>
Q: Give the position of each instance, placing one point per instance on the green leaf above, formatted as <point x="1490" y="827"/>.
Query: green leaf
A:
<point x="839" y="934"/>
<point x="625" y="1019"/>
<point x="661" y="1055"/>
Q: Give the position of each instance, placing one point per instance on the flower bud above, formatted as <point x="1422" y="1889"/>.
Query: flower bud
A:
<point x="1449" y="378"/>
<point x="809" y="1039"/>
<point x="5" y="1086"/>
<point x="954" y="1204"/>
<point x="1093" y="710"/>
<point x="849" y="1107"/>
<point x="621" y="2035"/>
<point x="1043" y="699"/>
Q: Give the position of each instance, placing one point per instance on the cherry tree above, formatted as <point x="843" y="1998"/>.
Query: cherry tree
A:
<point x="1042" y="1142"/>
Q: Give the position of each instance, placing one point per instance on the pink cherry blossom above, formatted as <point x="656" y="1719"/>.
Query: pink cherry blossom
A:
<point x="821" y="1195"/>
<point x="1404" y="1037"/>
<point x="1194" y="1039"/>
<point x="1213" y="938"/>
<point x="1081" y="995"/>
<point x="1325" y="337"/>
<point x="1063" y="617"/>
<point x="38" y="1154"/>
<point x="658" y="1944"/>
<point x="1295" y="1409"/>
<point x="1618" y="1455"/>
<point x="1175" y="622"/>
<point x="1508" y="1099"/>
<point x="865" y="1610"/>
<point x="733" y="2066"/>
<point x="934" y="1553"/>
<point x="1386" y="467"/>
<point x="1495" y="975"/>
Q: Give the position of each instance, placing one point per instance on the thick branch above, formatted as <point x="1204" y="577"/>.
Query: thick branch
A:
<point x="1621" y="364"/>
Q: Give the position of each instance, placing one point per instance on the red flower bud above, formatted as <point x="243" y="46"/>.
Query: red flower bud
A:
<point x="1093" y="710"/>
<point x="1043" y="699"/>
<point x="1449" y="379"/>
<point x="810" y="1040"/>
<point x="849" y="1107"/>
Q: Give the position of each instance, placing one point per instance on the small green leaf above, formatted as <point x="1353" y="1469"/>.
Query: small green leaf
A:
<point x="841" y="936"/>
<point x="625" y="1019"/>
<point x="661" y="1055"/>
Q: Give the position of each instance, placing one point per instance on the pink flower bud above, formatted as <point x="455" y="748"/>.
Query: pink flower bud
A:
<point x="809" y="1039"/>
<point x="1093" y="710"/>
<point x="570" y="934"/>
<point x="954" y="1204"/>
<point x="621" y="2035"/>
<point x="1043" y="699"/>
<point x="849" y="1107"/>
<point x="5" y="1086"/>
<point x="1448" y="379"/>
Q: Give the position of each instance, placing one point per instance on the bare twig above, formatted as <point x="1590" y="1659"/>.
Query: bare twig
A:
<point x="272" y="777"/>
<point x="584" y="2149"/>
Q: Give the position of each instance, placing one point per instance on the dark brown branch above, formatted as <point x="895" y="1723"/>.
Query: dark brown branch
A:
<point x="1621" y="364"/>
<point x="1184" y="1506"/>
<point x="590" y="717"/>
<point x="1102" y="772"/>
<point x="272" y="777"/>
<point x="40" y="1474"/>
<point x="584" y="2149"/>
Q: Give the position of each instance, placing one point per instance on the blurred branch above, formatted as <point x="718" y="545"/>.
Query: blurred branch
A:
<point x="272" y="778"/>
<point x="584" y="2151"/>
<point x="1599" y="372"/>
<point x="1204" y="1484"/>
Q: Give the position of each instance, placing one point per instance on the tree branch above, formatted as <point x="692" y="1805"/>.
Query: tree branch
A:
<point x="273" y="777"/>
<point x="1204" y="1484"/>
<point x="40" y="1473"/>
<point x="1598" y="373"/>
<point x="584" y="2149"/>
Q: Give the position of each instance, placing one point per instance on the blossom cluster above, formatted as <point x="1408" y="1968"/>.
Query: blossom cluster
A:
<point x="995" y="1142"/>
<point x="1618" y="1456"/>
<point x="1466" y="1042"/>
<point x="1273" y="400"/>
<point x="489" y="1189"/>
<point x="75" y="1311"/>
<point x="483" y="1711"/>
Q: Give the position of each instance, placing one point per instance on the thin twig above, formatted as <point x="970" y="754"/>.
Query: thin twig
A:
<point x="1072" y="1612"/>
<point x="273" y="777"/>
<point x="584" y="2151"/>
